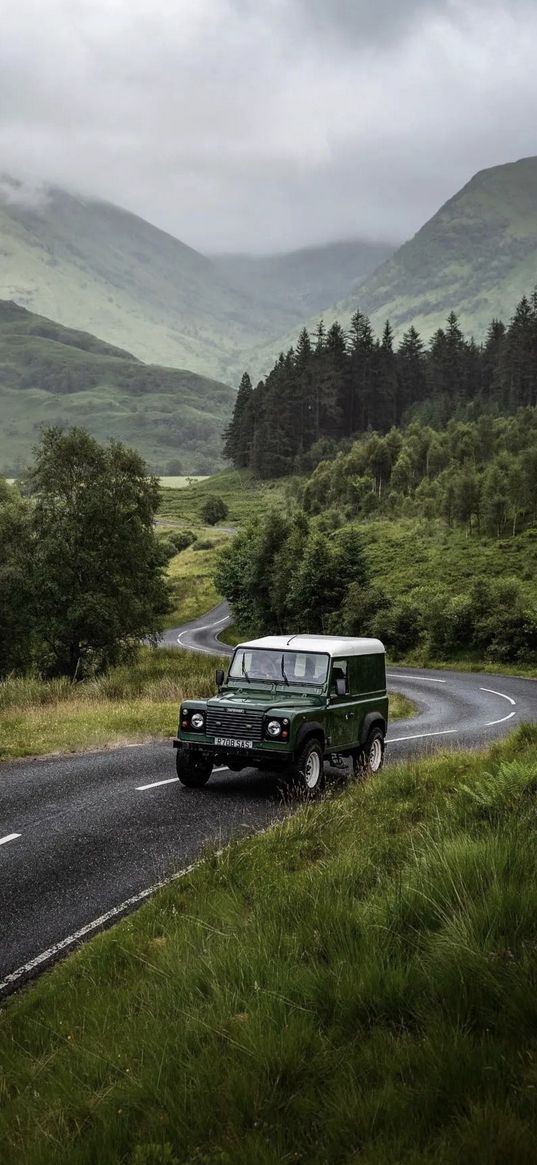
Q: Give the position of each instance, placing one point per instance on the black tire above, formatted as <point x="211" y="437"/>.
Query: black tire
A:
<point x="307" y="772"/>
<point x="370" y="758"/>
<point x="193" y="771"/>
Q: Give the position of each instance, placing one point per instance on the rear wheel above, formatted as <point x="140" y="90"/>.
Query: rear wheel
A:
<point x="370" y="758"/>
<point x="193" y="771"/>
<point x="307" y="772"/>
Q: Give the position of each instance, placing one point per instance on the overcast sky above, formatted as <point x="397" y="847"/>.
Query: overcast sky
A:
<point x="267" y="124"/>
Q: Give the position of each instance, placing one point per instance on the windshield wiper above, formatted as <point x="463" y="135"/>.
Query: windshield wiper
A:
<point x="244" y="672"/>
<point x="283" y="672"/>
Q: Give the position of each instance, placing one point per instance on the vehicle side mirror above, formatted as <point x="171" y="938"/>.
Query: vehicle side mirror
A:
<point x="219" y="678"/>
<point x="341" y="687"/>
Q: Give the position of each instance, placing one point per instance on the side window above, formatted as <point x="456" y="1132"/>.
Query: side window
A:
<point x="368" y="674"/>
<point x="340" y="671"/>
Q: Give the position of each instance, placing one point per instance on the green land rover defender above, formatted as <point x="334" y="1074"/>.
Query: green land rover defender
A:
<point x="289" y="702"/>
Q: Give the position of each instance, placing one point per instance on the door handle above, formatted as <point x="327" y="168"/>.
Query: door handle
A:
<point x="349" y="715"/>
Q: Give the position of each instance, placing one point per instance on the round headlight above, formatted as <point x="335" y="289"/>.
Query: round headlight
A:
<point x="197" y="720"/>
<point x="274" y="727"/>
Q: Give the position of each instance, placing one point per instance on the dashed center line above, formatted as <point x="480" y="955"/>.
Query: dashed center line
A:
<point x="170" y="781"/>
<point x="9" y="837"/>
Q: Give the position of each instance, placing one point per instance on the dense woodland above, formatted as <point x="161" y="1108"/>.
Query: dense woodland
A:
<point x="481" y="475"/>
<point x="327" y="391"/>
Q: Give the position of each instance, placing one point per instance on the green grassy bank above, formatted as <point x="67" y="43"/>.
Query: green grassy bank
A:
<point x="136" y="702"/>
<point x="357" y="985"/>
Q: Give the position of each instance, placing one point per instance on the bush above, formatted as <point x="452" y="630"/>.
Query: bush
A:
<point x="180" y="539"/>
<point x="214" y="510"/>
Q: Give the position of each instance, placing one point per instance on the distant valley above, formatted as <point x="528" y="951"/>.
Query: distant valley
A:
<point x="94" y="266"/>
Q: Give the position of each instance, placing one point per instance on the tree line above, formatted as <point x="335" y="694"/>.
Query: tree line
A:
<point x="338" y="384"/>
<point x="481" y="475"/>
<point x="82" y="572"/>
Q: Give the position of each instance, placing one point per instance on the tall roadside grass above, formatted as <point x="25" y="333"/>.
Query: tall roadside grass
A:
<point x="356" y="985"/>
<point x="132" y="703"/>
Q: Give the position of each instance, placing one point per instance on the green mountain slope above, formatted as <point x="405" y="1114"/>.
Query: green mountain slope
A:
<point x="92" y="265"/>
<point x="55" y="375"/>
<point x="477" y="256"/>
<point x="306" y="280"/>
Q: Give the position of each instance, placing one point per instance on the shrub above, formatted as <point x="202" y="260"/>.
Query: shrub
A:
<point x="214" y="510"/>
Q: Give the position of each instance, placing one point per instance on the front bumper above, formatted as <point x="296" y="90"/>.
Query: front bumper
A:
<point x="249" y="756"/>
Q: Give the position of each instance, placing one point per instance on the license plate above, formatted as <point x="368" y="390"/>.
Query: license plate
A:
<point x="226" y="742"/>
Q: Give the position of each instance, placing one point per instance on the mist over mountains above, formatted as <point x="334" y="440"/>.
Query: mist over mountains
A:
<point x="94" y="266"/>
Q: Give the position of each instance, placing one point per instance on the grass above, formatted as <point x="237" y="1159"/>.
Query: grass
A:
<point x="191" y="575"/>
<point x="355" y="985"/>
<point x="131" y="704"/>
<point x="245" y="497"/>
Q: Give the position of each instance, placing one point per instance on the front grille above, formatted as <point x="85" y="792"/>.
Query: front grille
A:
<point x="237" y="725"/>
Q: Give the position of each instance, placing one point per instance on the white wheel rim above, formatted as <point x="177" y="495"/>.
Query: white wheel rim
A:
<point x="375" y="755"/>
<point x="312" y="770"/>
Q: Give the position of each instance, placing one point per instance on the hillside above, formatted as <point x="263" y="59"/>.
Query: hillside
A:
<point x="476" y="256"/>
<point x="92" y="265"/>
<point x="95" y="266"/>
<point x="306" y="280"/>
<point x="50" y="374"/>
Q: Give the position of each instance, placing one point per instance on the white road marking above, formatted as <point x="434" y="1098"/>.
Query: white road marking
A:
<point x="420" y="735"/>
<point x="426" y="679"/>
<point x="492" y="691"/>
<point x="170" y="781"/>
<point x="491" y="723"/>
<point x="206" y="627"/>
<point x="155" y="784"/>
<point x="45" y="956"/>
<point x="502" y="694"/>
<point x="9" y="837"/>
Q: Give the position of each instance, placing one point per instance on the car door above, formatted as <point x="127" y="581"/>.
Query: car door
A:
<point x="342" y="708"/>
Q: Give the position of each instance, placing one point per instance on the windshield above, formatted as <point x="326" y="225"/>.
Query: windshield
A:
<point x="292" y="667"/>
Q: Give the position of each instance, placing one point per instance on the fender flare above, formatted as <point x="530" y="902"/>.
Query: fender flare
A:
<point x="310" y="728"/>
<point x="372" y="720"/>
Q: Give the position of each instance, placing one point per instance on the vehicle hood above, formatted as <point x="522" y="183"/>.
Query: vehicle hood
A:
<point x="266" y="701"/>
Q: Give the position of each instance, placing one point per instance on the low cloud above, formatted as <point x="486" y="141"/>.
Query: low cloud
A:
<point x="237" y="125"/>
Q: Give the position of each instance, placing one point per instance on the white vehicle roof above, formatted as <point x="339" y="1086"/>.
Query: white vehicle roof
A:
<point x="333" y="645"/>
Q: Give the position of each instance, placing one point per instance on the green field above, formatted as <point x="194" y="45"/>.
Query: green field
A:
<point x="179" y="482"/>
<point x="245" y="497"/>
<point x="355" y="985"/>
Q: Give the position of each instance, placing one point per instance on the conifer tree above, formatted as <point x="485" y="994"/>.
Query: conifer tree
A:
<point x="239" y="433"/>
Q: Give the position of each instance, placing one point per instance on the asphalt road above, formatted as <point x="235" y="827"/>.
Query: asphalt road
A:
<point x="84" y="838"/>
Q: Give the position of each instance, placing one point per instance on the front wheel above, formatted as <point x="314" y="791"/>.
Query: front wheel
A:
<point x="307" y="772"/>
<point x="370" y="758"/>
<point x="193" y="771"/>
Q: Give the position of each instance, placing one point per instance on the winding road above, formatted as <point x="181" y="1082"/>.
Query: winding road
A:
<point x="84" y="838"/>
